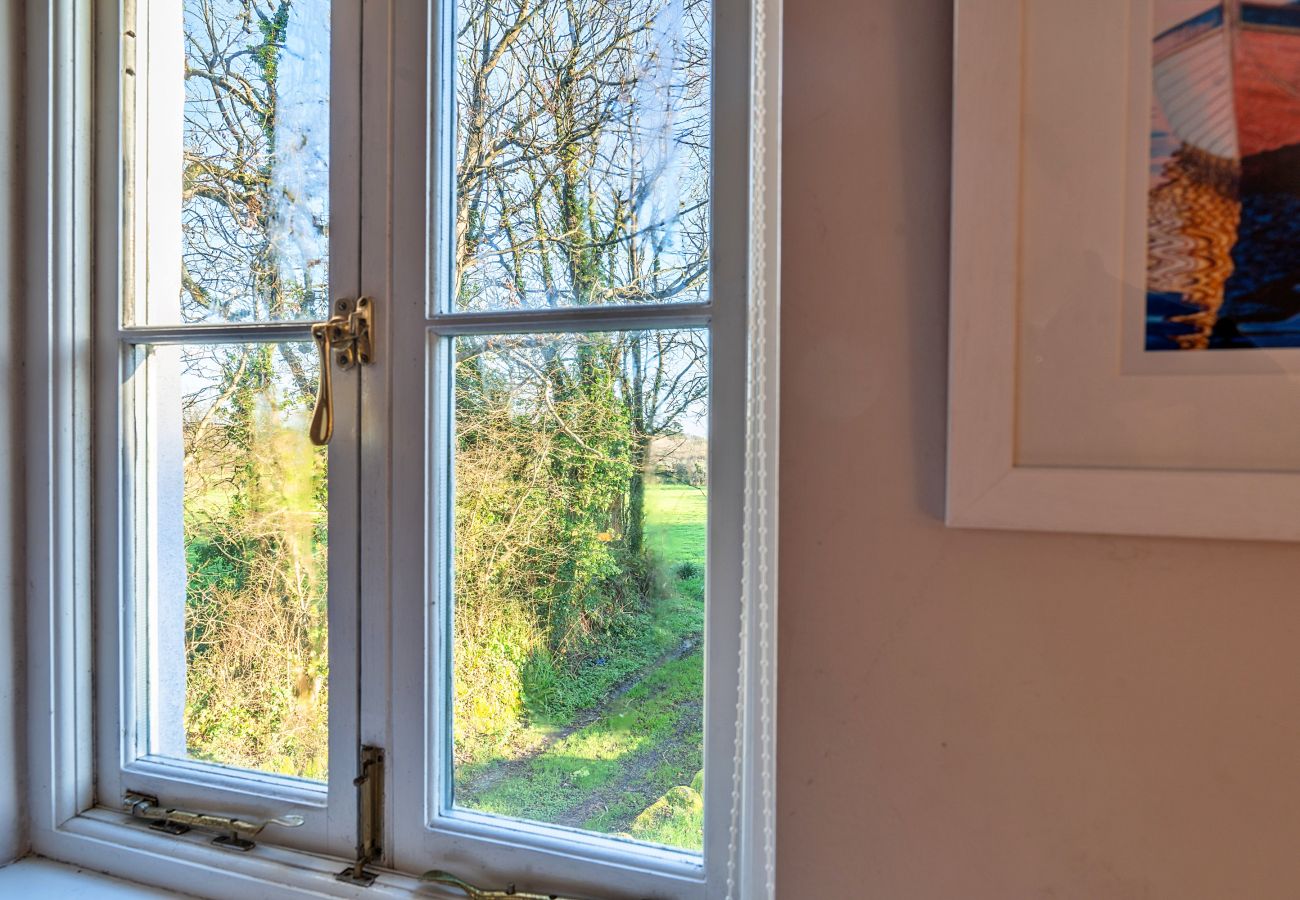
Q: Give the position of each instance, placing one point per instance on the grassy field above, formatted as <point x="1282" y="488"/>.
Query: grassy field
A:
<point x="629" y="761"/>
<point x="675" y="517"/>
<point x="603" y="775"/>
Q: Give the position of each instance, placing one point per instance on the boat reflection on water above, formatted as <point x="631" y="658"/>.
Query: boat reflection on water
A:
<point x="1223" y="261"/>
<point x="1193" y="216"/>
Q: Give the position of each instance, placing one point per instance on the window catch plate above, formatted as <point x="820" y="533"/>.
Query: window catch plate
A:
<point x="235" y="833"/>
<point x="370" y="817"/>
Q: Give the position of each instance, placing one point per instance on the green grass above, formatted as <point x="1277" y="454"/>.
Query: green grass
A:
<point x="649" y="634"/>
<point x="675" y="519"/>
<point x="602" y="777"/>
<point x="675" y="533"/>
<point x="675" y="819"/>
<point x="630" y="765"/>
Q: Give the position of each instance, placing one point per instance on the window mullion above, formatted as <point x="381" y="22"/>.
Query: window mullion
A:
<point x="249" y="333"/>
<point x="582" y="318"/>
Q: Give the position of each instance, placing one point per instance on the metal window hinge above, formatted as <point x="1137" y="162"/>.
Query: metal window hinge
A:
<point x="235" y="832"/>
<point x="370" y="817"/>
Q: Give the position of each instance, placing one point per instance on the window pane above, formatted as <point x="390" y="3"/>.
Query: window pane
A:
<point x="582" y="155"/>
<point x="581" y="500"/>
<point x="237" y="161"/>
<point x="230" y="513"/>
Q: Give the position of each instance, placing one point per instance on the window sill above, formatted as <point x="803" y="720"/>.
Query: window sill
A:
<point x="106" y="841"/>
<point x="37" y="877"/>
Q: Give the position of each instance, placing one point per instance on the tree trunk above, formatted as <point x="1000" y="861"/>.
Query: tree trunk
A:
<point x="636" y="495"/>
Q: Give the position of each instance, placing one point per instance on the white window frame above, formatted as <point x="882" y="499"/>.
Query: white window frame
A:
<point x="72" y="61"/>
<point x="129" y="535"/>
<point x="485" y="846"/>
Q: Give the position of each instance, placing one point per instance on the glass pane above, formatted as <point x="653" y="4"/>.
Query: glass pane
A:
<point x="581" y="502"/>
<point x="237" y="171"/>
<point x="582" y="152"/>
<point x="230" y="519"/>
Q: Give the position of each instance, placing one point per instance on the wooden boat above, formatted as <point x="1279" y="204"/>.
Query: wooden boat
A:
<point x="1228" y="79"/>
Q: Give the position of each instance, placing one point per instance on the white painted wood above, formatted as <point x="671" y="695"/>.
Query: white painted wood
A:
<point x="1142" y="502"/>
<point x="101" y="841"/>
<point x="752" y="853"/>
<point x="995" y="254"/>
<point x="13" y="824"/>
<point x="985" y="246"/>
<point x="344" y="565"/>
<point x="377" y="239"/>
<point x="59" y="733"/>
<point x="35" y="878"/>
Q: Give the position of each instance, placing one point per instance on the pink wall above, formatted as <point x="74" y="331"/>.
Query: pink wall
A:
<point x="978" y="715"/>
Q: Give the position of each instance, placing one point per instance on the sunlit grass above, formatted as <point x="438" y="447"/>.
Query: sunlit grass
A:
<point x="675" y="523"/>
<point x="634" y="767"/>
<point x="603" y="776"/>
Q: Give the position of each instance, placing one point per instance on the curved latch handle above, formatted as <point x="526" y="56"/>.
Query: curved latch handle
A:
<point x="345" y="338"/>
<point x="437" y="876"/>
<point x="322" y="417"/>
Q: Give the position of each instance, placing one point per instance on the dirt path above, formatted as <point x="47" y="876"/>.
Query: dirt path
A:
<point x="484" y="780"/>
<point x="610" y="803"/>
<point x="602" y="775"/>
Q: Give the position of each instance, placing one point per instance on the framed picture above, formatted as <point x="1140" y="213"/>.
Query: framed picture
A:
<point x="1125" y="312"/>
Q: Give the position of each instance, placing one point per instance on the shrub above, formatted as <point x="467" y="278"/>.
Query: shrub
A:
<point x="540" y="682"/>
<point x="688" y="570"/>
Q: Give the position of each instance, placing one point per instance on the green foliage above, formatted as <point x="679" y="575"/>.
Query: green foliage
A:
<point x="676" y="819"/>
<point x="254" y="530"/>
<point x="542" y="684"/>
<point x="603" y="775"/>
<point x="646" y="684"/>
<point x="267" y="54"/>
<point x="255" y="491"/>
<point x="544" y="586"/>
<point x="688" y="570"/>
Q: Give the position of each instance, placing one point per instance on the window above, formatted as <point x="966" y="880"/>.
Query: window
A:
<point x="503" y="545"/>
<point x="235" y="556"/>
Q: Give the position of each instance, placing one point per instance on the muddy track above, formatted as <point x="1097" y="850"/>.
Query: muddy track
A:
<point x="632" y="778"/>
<point x="518" y="765"/>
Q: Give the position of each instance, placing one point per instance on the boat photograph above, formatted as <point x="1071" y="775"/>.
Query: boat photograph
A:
<point x="1223" y="242"/>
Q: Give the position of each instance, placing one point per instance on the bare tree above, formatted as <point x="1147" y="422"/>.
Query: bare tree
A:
<point x="254" y="236"/>
<point x="583" y="178"/>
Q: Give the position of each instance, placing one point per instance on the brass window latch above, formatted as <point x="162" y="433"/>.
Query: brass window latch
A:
<point x="437" y="876"/>
<point x="345" y="338"/>
<point x="235" y="833"/>
<point x="370" y="817"/>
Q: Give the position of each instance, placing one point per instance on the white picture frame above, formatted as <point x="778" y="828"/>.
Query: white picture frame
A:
<point x="990" y="485"/>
